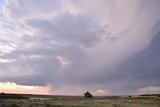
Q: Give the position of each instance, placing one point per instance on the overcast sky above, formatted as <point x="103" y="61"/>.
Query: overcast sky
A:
<point x="107" y="47"/>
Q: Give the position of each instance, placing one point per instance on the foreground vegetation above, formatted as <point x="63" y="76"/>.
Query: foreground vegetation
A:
<point x="77" y="101"/>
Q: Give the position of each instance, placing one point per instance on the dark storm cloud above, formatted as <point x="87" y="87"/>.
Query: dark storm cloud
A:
<point x="145" y="66"/>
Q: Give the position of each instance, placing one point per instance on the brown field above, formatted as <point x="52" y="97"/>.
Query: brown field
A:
<point x="79" y="101"/>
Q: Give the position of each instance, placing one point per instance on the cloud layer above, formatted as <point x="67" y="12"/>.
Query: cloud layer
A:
<point x="106" y="45"/>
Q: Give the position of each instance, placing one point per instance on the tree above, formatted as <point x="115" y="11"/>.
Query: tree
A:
<point x="88" y="95"/>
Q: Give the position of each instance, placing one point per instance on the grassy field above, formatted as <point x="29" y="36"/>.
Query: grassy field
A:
<point x="78" y="101"/>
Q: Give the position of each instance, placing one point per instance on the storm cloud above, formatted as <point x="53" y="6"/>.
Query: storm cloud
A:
<point x="78" y="45"/>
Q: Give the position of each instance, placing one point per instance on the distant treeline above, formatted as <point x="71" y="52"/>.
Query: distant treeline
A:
<point x="11" y="96"/>
<point x="158" y="95"/>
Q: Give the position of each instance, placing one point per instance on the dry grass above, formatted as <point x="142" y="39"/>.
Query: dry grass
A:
<point x="63" y="101"/>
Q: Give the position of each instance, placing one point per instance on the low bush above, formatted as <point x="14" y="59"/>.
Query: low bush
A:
<point x="14" y="105"/>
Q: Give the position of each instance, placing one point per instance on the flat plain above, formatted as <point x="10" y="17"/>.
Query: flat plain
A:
<point x="80" y="101"/>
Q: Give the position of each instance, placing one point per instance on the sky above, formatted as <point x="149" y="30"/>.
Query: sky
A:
<point x="68" y="47"/>
<point x="1" y="5"/>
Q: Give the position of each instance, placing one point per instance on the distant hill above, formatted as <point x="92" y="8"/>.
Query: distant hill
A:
<point x="158" y="95"/>
<point x="12" y="96"/>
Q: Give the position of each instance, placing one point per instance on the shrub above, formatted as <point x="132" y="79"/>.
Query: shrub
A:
<point x="14" y="105"/>
<point x="30" y="105"/>
<point x="88" y="95"/>
<point x="3" y="105"/>
<point x="48" y="105"/>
